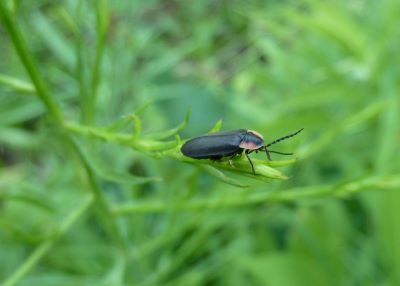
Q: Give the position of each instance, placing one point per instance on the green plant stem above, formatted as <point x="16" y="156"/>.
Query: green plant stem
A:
<point x="43" y="248"/>
<point x="29" y="63"/>
<point x="99" y="197"/>
<point x="52" y="106"/>
<point x="171" y="149"/>
<point x="144" y="145"/>
<point x="80" y="71"/>
<point x="102" y="27"/>
<point x="296" y="194"/>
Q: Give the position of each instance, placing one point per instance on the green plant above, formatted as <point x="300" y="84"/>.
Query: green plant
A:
<point x="92" y="192"/>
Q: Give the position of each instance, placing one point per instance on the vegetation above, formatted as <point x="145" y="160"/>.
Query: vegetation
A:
<point x="96" y="98"/>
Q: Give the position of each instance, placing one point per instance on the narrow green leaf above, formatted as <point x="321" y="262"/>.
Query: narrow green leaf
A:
<point x="105" y="172"/>
<point x="118" y="124"/>
<point x="221" y="176"/>
<point x="142" y="108"/>
<point x="242" y="166"/>
<point x="354" y="120"/>
<point x="54" y="39"/>
<point x="138" y="124"/>
<point x="18" y="138"/>
<point x="171" y="132"/>
<point x="217" y="127"/>
<point x="155" y="146"/>
<point x="20" y="110"/>
<point x="16" y="84"/>
<point x="31" y="200"/>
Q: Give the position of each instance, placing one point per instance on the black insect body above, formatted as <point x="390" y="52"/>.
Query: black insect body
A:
<point x="217" y="145"/>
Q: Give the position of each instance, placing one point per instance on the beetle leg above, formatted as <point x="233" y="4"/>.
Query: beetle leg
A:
<point x="268" y="155"/>
<point x="281" y="153"/>
<point x="251" y="163"/>
<point x="230" y="159"/>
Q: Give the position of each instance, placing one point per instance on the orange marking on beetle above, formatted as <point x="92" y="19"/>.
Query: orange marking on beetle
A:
<point x="249" y="145"/>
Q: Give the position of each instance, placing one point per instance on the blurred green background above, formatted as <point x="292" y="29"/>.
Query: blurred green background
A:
<point x="332" y="67"/>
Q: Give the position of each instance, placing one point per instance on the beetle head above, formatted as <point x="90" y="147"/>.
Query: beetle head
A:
<point x="252" y="141"/>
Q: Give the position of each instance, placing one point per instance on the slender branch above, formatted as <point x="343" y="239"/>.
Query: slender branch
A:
<point x="102" y="27"/>
<point x="29" y="63"/>
<point x="144" y="145"/>
<point x="313" y="192"/>
<point x="53" y="109"/>
<point x="264" y="168"/>
<point x="99" y="197"/>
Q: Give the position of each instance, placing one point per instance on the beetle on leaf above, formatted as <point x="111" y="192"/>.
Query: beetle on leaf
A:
<point x="217" y="145"/>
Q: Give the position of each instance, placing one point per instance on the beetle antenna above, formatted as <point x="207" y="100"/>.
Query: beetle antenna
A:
<point x="284" y="138"/>
<point x="281" y="153"/>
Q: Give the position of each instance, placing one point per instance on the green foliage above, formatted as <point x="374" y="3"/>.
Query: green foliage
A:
<point x="94" y="100"/>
